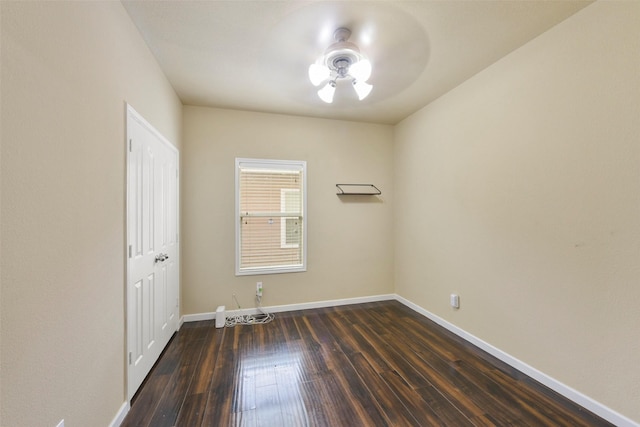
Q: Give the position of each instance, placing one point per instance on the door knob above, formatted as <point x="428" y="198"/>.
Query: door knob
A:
<point x="161" y="257"/>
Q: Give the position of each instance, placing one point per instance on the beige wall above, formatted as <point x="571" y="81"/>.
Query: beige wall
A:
<point x="350" y="244"/>
<point x="67" y="70"/>
<point x="520" y="190"/>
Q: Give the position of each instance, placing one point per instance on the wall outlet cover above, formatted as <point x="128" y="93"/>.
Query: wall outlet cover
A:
<point x="455" y="301"/>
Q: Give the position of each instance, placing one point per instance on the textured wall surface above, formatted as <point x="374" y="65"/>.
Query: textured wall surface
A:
<point x="350" y="244"/>
<point x="520" y="191"/>
<point x="67" y="70"/>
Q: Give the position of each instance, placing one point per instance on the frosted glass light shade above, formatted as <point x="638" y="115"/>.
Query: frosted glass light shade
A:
<point x="361" y="70"/>
<point x="362" y="89"/>
<point x="318" y="73"/>
<point x="327" y="92"/>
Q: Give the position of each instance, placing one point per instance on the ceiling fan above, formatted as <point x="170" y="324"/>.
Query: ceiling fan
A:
<point x="341" y="60"/>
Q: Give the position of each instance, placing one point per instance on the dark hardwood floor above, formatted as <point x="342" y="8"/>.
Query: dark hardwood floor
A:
<point x="375" y="364"/>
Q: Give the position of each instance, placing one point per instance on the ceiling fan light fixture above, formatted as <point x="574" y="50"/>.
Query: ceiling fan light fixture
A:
<point x="361" y="70"/>
<point x="363" y="89"/>
<point x="327" y="92"/>
<point x="341" y="60"/>
<point x="318" y="73"/>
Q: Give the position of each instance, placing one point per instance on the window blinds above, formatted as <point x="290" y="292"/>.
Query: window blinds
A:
<point x="271" y="215"/>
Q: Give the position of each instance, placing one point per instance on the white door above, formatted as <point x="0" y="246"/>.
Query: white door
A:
<point x="152" y="239"/>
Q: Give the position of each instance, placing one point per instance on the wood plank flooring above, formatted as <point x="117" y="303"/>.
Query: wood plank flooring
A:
<point x="374" y="364"/>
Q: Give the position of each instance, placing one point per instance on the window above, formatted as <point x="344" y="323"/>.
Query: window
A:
<point x="270" y="221"/>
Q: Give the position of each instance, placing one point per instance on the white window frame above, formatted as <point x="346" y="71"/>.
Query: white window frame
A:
<point x="275" y="165"/>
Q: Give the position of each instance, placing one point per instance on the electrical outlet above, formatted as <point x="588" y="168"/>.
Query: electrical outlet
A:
<point x="454" y="300"/>
<point x="259" y="289"/>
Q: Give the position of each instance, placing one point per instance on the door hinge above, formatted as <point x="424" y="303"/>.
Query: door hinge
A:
<point x="130" y="149"/>
<point x="130" y="358"/>
<point x="129" y="251"/>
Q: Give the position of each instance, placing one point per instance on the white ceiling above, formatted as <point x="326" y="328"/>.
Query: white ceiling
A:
<point x="254" y="55"/>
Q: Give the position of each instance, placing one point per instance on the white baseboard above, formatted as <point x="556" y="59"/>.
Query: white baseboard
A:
<point x="290" y="307"/>
<point x="329" y="303"/>
<point x="119" y="418"/>
<point x="197" y="317"/>
<point x="555" y="385"/>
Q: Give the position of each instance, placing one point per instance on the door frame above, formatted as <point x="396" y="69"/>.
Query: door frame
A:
<point x="131" y="112"/>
